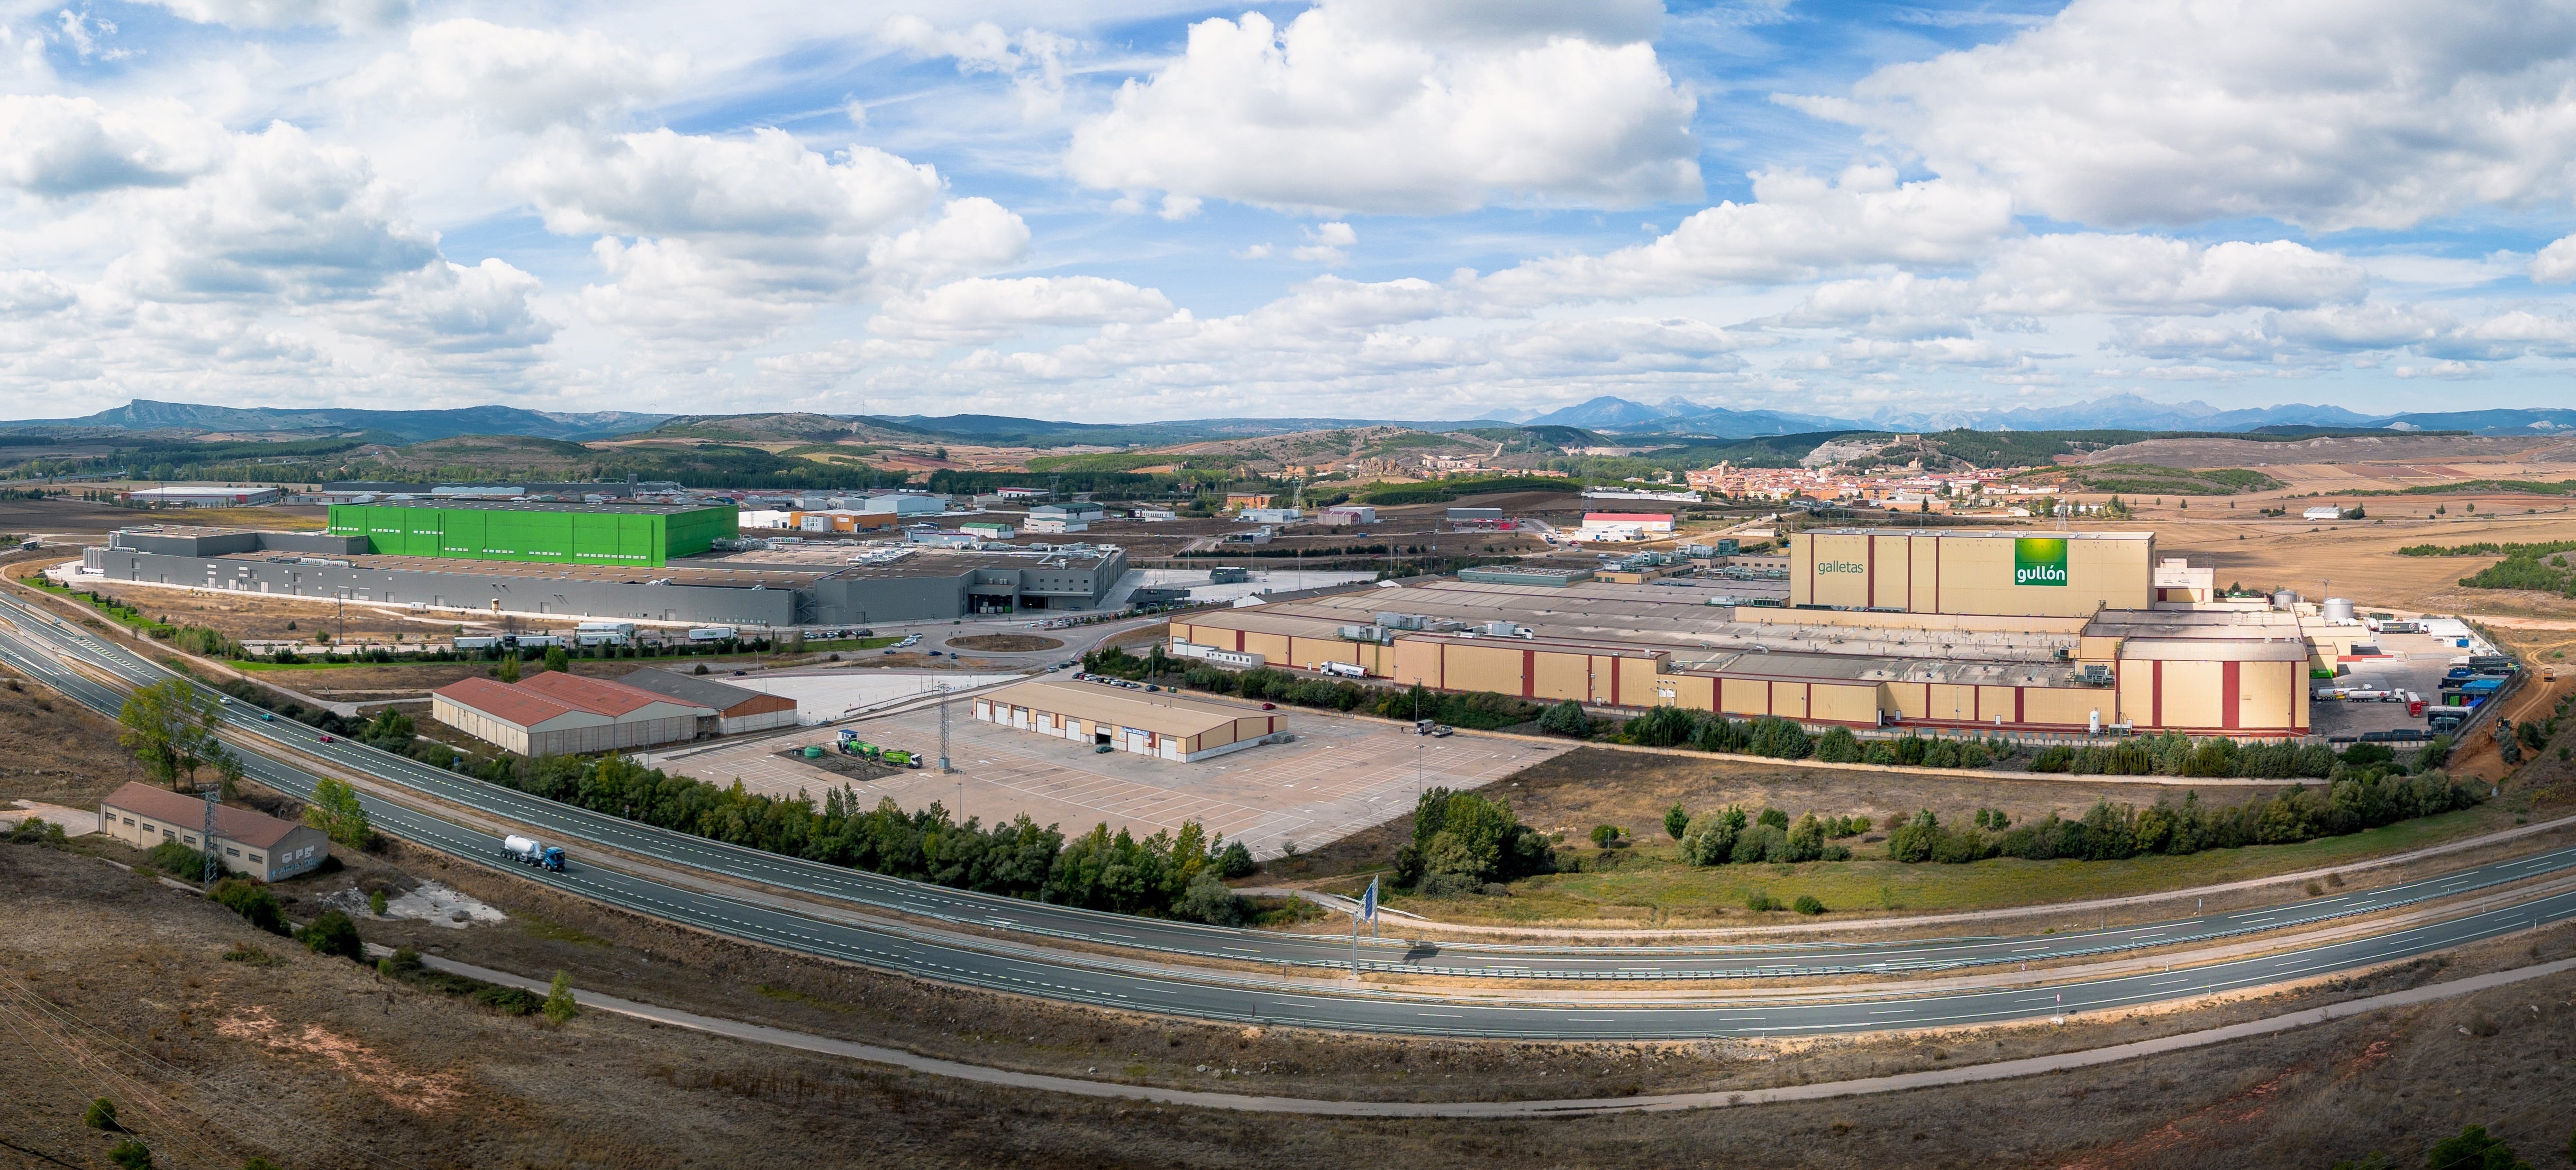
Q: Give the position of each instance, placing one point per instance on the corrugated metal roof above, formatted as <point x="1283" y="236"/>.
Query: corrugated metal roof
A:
<point x="242" y="826"/>
<point x="705" y="692"/>
<point x="513" y="705"/>
<point x="600" y="695"/>
<point x="1161" y="714"/>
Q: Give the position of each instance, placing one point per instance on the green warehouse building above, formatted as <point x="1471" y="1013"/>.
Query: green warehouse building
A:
<point x="572" y="534"/>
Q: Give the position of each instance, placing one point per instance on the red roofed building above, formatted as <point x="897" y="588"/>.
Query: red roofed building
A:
<point x="554" y="714"/>
<point x="262" y="846"/>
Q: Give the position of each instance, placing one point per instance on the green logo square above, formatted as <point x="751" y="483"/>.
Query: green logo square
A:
<point x="2039" y="560"/>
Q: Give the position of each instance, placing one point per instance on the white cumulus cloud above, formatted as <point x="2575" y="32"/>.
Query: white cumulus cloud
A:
<point x="522" y="79"/>
<point x="1352" y="108"/>
<point x="983" y="309"/>
<point x="2331" y="114"/>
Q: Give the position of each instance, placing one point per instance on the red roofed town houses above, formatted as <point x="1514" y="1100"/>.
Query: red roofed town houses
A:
<point x="262" y="846"/>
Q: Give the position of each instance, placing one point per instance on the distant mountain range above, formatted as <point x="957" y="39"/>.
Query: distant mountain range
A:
<point x="1675" y="417"/>
<point x="410" y="426"/>
<point x="1678" y="416"/>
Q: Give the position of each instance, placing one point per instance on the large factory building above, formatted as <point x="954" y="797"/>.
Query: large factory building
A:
<point x="1932" y="629"/>
<point x="575" y="534"/>
<point x="606" y="561"/>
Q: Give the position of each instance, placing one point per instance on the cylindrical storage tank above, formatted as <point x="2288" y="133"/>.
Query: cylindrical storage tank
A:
<point x="2286" y="599"/>
<point x="2339" y="610"/>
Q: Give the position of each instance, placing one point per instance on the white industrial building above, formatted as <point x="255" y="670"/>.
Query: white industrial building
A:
<point x="195" y="496"/>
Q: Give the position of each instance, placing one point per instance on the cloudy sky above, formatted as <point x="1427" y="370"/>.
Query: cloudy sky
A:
<point x="1122" y="210"/>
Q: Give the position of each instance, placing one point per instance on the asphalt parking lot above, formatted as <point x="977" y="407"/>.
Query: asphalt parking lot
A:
<point x="2415" y="662"/>
<point x="1339" y="776"/>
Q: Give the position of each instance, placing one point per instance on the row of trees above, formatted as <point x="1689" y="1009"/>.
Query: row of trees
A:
<point x="2172" y="753"/>
<point x="1728" y="835"/>
<point x="1765" y="735"/>
<point x="1170" y="873"/>
<point x="2107" y="832"/>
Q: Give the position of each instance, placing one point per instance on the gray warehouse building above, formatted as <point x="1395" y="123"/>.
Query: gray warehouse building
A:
<point x="885" y="585"/>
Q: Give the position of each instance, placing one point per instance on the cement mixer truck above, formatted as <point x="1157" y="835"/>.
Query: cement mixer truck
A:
<point x="530" y="851"/>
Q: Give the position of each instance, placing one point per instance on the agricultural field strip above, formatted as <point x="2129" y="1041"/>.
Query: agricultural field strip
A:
<point x="1209" y="942"/>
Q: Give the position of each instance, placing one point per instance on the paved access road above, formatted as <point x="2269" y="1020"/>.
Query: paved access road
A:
<point x="1215" y="997"/>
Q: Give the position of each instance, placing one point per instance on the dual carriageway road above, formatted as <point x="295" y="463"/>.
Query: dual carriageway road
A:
<point x="43" y="646"/>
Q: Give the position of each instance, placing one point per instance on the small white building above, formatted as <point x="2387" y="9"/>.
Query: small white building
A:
<point x="1350" y="514"/>
<point x="2322" y="512"/>
<point x="1055" y="524"/>
<point x="1273" y="515"/>
<point x="987" y="529"/>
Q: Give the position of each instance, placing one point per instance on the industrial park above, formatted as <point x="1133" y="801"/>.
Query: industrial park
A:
<point x="1641" y="585"/>
<point x="652" y="699"/>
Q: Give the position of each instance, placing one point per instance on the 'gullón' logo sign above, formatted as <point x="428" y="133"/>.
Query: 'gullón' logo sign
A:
<point x="2039" y="560"/>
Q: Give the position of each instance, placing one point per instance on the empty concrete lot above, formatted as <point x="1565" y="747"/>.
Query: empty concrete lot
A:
<point x="1341" y="775"/>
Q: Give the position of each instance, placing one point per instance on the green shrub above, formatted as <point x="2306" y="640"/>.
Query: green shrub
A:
<point x="333" y="934"/>
<point x="1469" y="840"/>
<point x="402" y="962"/>
<point x="376" y="903"/>
<point x="1209" y="901"/>
<point x="560" y="1005"/>
<point x="253" y="902"/>
<point x="131" y="1154"/>
<point x="1809" y="904"/>
<point x="1676" y="822"/>
<point x="101" y="1115"/>
<point x="1567" y="718"/>
<point x="1760" y="902"/>
<point x="1839" y="746"/>
<point x="1605" y="835"/>
<point x="177" y="860"/>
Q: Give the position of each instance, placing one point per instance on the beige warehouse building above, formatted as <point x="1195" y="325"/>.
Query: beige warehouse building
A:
<point x="1994" y="630"/>
<point x="262" y="846"/>
<point x="1164" y="726"/>
<point x="1995" y="574"/>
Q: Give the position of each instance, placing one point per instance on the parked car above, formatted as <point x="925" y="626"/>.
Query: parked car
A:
<point x="1270" y="706"/>
<point x="1099" y="748"/>
<point x="1444" y="730"/>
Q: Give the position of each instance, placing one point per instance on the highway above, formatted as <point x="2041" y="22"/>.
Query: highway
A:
<point x="875" y="892"/>
<point x="1103" y="982"/>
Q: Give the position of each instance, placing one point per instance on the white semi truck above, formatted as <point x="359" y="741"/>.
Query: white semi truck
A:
<point x="530" y="851"/>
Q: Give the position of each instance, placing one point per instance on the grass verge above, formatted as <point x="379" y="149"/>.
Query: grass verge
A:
<point x="1650" y="883"/>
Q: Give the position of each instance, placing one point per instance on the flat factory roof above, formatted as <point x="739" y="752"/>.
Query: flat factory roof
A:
<point x="715" y="573"/>
<point x="1978" y="533"/>
<point x="540" y="506"/>
<point x="1162" y="714"/>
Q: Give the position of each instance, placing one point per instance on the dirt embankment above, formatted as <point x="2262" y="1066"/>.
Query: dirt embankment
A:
<point x="1006" y="643"/>
<point x="323" y="1063"/>
<point x="55" y="750"/>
